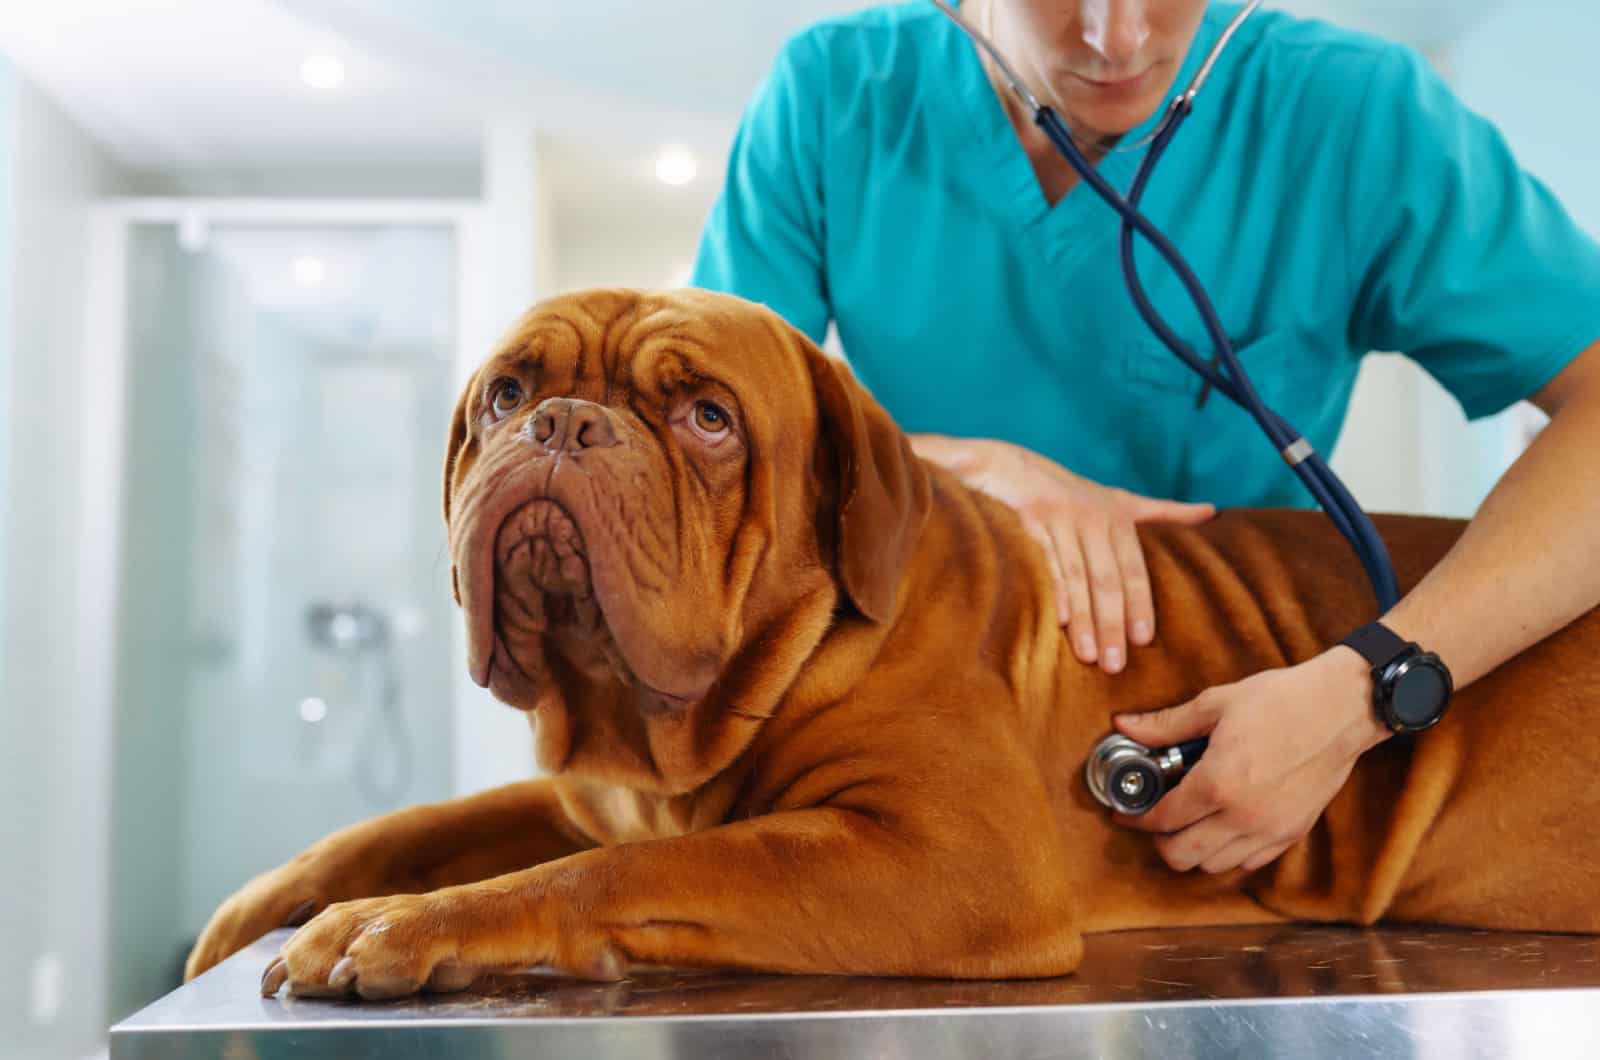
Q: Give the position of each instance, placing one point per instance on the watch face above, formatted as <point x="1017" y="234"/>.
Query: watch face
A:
<point x="1419" y="695"/>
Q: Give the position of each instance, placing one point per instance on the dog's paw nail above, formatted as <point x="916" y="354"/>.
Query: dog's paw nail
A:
<point x="301" y="913"/>
<point x="273" y="977"/>
<point x="610" y="965"/>
<point x="343" y="974"/>
<point x="386" y="988"/>
<point x="451" y="976"/>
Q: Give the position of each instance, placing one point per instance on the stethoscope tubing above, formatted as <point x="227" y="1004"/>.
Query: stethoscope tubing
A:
<point x="1228" y="376"/>
<point x="1230" y="379"/>
<point x="1319" y="479"/>
<point x="1330" y="492"/>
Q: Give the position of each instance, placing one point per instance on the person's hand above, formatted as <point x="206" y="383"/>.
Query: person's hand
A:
<point x="1282" y="744"/>
<point x="1086" y="530"/>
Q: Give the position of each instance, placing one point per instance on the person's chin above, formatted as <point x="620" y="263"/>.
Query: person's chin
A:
<point x="1108" y="123"/>
<point x="1109" y="120"/>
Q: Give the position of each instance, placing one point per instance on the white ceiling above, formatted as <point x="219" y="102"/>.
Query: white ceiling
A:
<point x="213" y="85"/>
<point x="176" y="85"/>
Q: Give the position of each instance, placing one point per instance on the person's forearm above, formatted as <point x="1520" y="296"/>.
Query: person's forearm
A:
<point x="1526" y="564"/>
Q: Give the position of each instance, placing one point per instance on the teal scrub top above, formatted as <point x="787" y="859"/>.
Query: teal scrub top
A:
<point x="1332" y="194"/>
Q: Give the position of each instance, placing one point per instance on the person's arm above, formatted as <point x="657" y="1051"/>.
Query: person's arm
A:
<point x="1283" y="742"/>
<point x="1525" y="566"/>
<point x="764" y="238"/>
<point x="1473" y="267"/>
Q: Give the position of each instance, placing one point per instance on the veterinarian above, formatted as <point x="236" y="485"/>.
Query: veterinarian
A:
<point x="1334" y="197"/>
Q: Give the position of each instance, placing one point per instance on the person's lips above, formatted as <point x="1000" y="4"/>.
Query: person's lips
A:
<point x="1116" y="87"/>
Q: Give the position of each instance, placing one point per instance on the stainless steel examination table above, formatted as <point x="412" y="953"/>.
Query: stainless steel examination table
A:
<point x="1289" y="991"/>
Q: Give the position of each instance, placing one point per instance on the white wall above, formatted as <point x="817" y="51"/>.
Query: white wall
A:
<point x="504" y="252"/>
<point x="1529" y="68"/>
<point x="624" y="250"/>
<point x="614" y="224"/>
<point x="152" y="626"/>
<point x="52" y="990"/>
<point x="640" y="233"/>
<point x="21" y="826"/>
<point x="1378" y="452"/>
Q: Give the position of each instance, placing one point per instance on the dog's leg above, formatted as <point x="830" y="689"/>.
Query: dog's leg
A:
<point x="937" y="890"/>
<point x="416" y="849"/>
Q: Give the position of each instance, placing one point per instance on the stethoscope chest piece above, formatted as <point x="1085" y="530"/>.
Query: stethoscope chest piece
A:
<point x="1128" y="777"/>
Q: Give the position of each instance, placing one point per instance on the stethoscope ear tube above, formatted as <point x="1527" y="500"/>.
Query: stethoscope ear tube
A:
<point x="1230" y="378"/>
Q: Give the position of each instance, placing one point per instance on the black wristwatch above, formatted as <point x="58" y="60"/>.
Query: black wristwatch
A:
<point x="1410" y="687"/>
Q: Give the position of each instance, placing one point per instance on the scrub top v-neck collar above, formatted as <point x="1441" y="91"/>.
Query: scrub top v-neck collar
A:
<point x="1079" y="224"/>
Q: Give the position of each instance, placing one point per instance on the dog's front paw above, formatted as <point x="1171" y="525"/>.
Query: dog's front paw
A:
<point x="375" y="947"/>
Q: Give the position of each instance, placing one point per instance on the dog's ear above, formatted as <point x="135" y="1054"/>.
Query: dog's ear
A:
<point x="455" y="448"/>
<point x="882" y="492"/>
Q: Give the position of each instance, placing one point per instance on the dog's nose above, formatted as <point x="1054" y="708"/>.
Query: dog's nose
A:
<point x="571" y="424"/>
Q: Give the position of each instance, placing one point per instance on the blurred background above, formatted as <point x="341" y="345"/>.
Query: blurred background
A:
<point x="248" y="251"/>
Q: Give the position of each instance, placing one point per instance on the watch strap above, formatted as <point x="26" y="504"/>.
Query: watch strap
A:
<point x="1377" y="643"/>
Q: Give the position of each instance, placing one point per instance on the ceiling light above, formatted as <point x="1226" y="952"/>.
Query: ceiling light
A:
<point x="308" y="272"/>
<point x="313" y="709"/>
<point x="322" y="71"/>
<point x="676" y="166"/>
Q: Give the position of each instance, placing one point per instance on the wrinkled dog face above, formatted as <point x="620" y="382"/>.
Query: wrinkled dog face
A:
<point x="639" y="486"/>
<point x="598" y="474"/>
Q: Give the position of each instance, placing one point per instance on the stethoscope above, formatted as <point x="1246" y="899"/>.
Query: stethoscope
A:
<point x="1123" y="774"/>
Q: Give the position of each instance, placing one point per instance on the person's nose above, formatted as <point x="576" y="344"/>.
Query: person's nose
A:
<point x="1117" y="31"/>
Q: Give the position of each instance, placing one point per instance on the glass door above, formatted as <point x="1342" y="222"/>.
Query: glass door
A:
<point x="284" y="669"/>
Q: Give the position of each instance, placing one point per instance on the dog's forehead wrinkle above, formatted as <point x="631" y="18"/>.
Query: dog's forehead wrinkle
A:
<point x="612" y="349"/>
<point x="526" y="358"/>
<point x="662" y="354"/>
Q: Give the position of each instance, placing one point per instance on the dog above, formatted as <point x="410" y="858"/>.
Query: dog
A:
<point x="806" y="706"/>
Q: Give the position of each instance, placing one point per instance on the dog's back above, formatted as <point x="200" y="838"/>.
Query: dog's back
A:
<point x="1486" y="820"/>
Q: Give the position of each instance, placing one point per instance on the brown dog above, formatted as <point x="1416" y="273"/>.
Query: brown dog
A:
<point x="808" y="708"/>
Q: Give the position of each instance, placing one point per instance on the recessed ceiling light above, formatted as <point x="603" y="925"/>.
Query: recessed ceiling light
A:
<point x="322" y="71"/>
<point x="313" y="709"/>
<point x="676" y="166"/>
<point x="308" y="272"/>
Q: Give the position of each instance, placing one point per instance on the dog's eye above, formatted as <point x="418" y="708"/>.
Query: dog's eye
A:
<point x="710" y="417"/>
<point x="505" y="398"/>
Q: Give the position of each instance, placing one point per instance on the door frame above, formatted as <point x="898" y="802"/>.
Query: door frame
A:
<point x="478" y="732"/>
